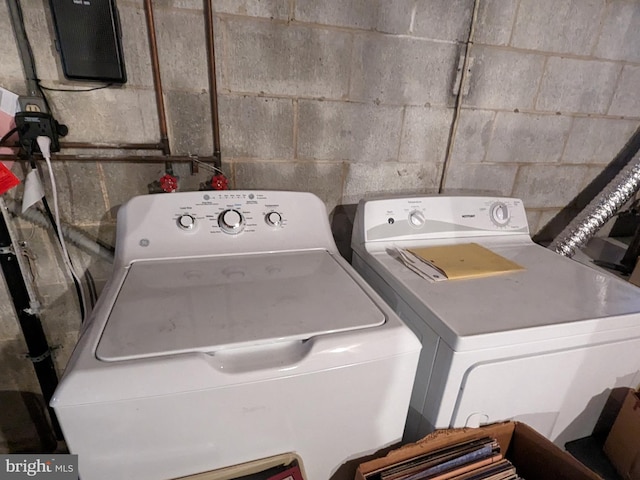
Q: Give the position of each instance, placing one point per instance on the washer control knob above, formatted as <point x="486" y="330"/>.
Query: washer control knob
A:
<point x="500" y="214"/>
<point x="231" y="221"/>
<point x="186" y="221"/>
<point x="416" y="219"/>
<point x="273" y="219"/>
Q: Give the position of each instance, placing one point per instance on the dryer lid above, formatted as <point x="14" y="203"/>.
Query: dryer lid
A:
<point x="208" y="304"/>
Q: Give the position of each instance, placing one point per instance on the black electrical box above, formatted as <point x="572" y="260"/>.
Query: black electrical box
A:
<point x="89" y="40"/>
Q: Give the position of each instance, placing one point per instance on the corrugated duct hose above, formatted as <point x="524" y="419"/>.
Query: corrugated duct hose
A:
<point x="602" y="208"/>
<point x="76" y="237"/>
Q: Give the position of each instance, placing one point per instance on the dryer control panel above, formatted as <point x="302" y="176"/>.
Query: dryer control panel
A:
<point x="440" y="217"/>
<point x="188" y="224"/>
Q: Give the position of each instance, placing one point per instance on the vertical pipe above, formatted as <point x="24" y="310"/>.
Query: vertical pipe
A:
<point x="213" y="90"/>
<point x="157" y="81"/>
<point x="28" y="63"/>
<point x="34" y="336"/>
<point x="463" y="81"/>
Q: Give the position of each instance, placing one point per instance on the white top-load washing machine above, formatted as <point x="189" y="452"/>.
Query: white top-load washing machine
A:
<point x="232" y="330"/>
<point x="543" y="345"/>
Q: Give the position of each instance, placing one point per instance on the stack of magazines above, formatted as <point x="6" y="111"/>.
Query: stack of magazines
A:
<point x="471" y="460"/>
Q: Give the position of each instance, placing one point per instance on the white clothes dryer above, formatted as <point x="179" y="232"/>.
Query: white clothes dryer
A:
<point x="543" y="345"/>
<point x="232" y="330"/>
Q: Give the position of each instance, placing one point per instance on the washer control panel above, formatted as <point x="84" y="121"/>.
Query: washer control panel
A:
<point x="230" y="213"/>
<point x="232" y="221"/>
<point x="442" y="217"/>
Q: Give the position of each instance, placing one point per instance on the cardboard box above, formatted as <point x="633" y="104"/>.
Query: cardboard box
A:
<point x="635" y="275"/>
<point x="250" y="469"/>
<point x="623" y="443"/>
<point x="534" y="457"/>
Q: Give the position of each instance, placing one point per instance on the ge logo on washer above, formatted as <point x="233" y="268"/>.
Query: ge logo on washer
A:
<point x="144" y="242"/>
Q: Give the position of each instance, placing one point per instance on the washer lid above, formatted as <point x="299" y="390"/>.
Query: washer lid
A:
<point x="208" y="304"/>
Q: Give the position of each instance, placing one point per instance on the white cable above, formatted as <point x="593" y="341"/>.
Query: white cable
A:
<point x="45" y="144"/>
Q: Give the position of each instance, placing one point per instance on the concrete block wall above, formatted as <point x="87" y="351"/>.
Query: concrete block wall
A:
<point x="343" y="98"/>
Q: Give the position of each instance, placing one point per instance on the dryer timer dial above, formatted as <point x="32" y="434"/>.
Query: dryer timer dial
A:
<point x="500" y="214"/>
<point x="417" y="219"/>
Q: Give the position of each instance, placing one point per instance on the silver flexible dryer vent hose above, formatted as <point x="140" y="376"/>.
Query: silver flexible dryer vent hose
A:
<point x="587" y="223"/>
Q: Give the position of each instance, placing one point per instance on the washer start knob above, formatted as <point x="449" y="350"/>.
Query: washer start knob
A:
<point x="231" y="221"/>
<point x="186" y="221"/>
<point x="273" y="219"/>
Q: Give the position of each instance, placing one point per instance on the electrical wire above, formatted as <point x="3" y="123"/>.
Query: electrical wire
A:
<point x="207" y="166"/>
<point x="76" y="281"/>
<point x="6" y="136"/>
<point x="33" y="75"/>
<point x="44" y="143"/>
<point x="91" y="286"/>
<point x="66" y="257"/>
<point x="50" y="89"/>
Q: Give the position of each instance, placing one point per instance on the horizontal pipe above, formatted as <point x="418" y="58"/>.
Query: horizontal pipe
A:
<point x="105" y="146"/>
<point x="114" y="146"/>
<point x="131" y="159"/>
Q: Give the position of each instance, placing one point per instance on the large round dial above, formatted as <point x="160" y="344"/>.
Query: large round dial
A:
<point x="186" y="221"/>
<point x="273" y="219"/>
<point x="500" y="214"/>
<point x="416" y="219"/>
<point x="231" y="221"/>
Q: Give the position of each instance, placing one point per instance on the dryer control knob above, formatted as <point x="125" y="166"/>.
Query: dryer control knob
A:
<point x="273" y="219"/>
<point x="231" y="221"/>
<point x="186" y="222"/>
<point x="416" y="219"/>
<point x="500" y="214"/>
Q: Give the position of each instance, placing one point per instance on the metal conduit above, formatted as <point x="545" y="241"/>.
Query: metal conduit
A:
<point x="213" y="89"/>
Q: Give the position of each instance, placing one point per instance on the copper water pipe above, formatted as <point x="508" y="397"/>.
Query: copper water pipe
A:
<point x="213" y="89"/>
<point x="157" y="81"/>
<point x="105" y="146"/>
<point x="164" y="145"/>
<point x="113" y="146"/>
<point x="131" y="159"/>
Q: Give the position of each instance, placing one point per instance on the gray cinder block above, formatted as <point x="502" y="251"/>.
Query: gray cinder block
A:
<point x="402" y="70"/>
<point x="257" y="127"/>
<point x="562" y="26"/>
<point x="348" y="131"/>
<point x="572" y="85"/>
<point x="270" y="57"/>
<point x="528" y="138"/>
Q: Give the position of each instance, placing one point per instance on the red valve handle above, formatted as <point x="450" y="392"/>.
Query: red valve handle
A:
<point x="169" y="183"/>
